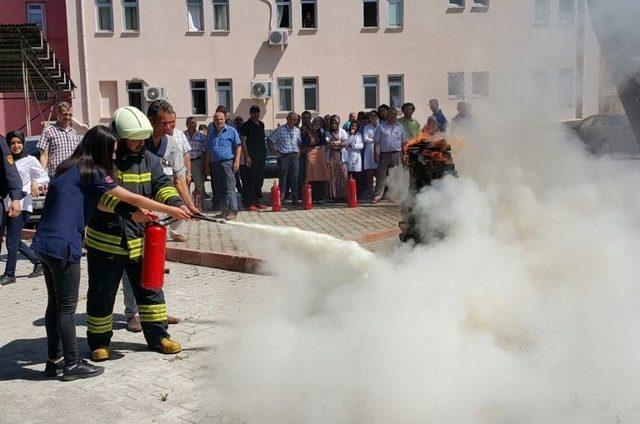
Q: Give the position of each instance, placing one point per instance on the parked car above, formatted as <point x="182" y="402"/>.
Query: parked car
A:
<point x="38" y="202"/>
<point x="271" y="163"/>
<point x="608" y="134"/>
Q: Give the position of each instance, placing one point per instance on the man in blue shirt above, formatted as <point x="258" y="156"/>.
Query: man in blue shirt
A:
<point x="434" y="105"/>
<point x="222" y="159"/>
<point x="285" y="142"/>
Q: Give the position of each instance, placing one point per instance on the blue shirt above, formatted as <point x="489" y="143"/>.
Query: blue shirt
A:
<point x="69" y="204"/>
<point x="286" y="140"/>
<point x="222" y="145"/>
<point x="442" y="120"/>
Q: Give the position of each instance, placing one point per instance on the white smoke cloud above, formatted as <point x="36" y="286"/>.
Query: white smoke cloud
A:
<point x="526" y="312"/>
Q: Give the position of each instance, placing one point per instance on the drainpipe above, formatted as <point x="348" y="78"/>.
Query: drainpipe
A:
<point x="82" y="58"/>
<point x="580" y="49"/>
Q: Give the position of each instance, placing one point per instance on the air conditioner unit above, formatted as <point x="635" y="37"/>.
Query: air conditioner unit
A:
<point x="278" y="38"/>
<point x="261" y="89"/>
<point x="155" y="93"/>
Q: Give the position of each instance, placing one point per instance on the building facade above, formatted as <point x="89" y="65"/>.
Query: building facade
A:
<point x="340" y="55"/>
<point x="51" y="16"/>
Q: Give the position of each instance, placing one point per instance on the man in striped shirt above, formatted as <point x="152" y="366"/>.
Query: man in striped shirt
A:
<point x="59" y="140"/>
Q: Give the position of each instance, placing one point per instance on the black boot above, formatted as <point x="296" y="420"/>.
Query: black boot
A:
<point x="5" y="280"/>
<point x="38" y="270"/>
<point x="81" y="369"/>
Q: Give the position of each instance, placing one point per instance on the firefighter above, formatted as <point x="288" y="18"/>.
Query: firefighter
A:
<point x="114" y="240"/>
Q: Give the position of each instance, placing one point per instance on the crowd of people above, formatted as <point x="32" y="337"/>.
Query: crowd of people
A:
<point x="100" y="192"/>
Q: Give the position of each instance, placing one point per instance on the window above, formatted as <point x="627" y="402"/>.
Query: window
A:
<point x="456" y="3"/>
<point x="541" y="83"/>
<point x="199" y="97"/>
<point x="566" y="11"/>
<point x="310" y="86"/>
<point x="105" y="15"/>
<point x="224" y="89"/>
<point x="396" y="13"/>
<point x="35" y="15"/>
<point x="542" y="12"/>
<point x="456" y="84"/>
<point x="370" y="84"/>
<point x="481" y="3"/>
<point x="370" y="13"/>
<point x="285" y="94"/>
<point x="396" y="91"/>
<point x="221" y="15"/>
<point x="135" y="92"/>
<point x="308" y="8"/>
<point x="283" y="13"/>
<point x="195" y="16"/>
<point x="564" y="87"/>
<point x="480" y="84"/>
<point x="130" y="15"/>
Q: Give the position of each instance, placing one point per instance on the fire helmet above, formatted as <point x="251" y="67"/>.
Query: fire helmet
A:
<point x="130" y="123"/>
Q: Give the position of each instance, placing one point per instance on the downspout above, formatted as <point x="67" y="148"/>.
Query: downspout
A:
<point x="271" y="26"/>
<point x="82" y="56"/>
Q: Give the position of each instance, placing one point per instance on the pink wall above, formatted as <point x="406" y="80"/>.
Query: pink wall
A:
<point x="12" y="115"/>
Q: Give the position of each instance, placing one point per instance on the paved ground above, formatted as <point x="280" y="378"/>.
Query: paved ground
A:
<point x="336" y="220"/>
<point x="140" y="386"/>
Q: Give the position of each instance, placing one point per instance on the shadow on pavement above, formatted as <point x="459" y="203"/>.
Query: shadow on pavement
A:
<point x="24" y="359"/>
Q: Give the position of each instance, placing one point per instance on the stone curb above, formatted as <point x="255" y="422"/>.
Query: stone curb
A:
<point x="239" y="263"/>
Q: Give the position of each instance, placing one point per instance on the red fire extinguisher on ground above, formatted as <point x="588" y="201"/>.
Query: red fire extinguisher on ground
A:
<point x="276" y="203"/>
<point x="307" y="196"/>
<point x="352" y="193"/>
<point x="155" y="250"/>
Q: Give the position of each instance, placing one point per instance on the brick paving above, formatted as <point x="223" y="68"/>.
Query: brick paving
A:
<point x="140" y="385"/>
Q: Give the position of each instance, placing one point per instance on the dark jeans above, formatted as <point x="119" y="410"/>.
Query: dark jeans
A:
<point x="288" y="169"/>
<point x="63" y="283"/>
<point x="14" y="241"/>
<point x="252" y="181"/>
<point x="224" y="182"/>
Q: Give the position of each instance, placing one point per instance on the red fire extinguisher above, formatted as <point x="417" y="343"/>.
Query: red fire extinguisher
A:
<point x="155" y="249"/>
<point x="307" y="196"/>
<point x="352" y="193"/>
<point x="276" y="203"/>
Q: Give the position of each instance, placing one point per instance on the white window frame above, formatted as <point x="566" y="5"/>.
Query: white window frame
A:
<point x="283" y="3"/>
<point x="572" y="19"/>
<point x="482" y="3"/>
<point x="135" y="90"/>
<point x="474" y="75"/>
<point x="457" y="4"/>
<point x="130" y="4"/>
<point x="459" y="95"/>
<point x="375" y="85"/>
<point x="315" y="13"/>
<point x="542" y="22"/>
<point x="308" y="85"/>
<point x="281" y="88"/>
<point x="195" y="3"/>
<point x="377" y="25"/>
<point x="198" y="89"/>
<point x="396" y="83"/>
<point x="225" y="85"/>
<point x="104" y="4"/>
<point x="399" y="24"/>
<point x="42" y="13"/>
<point x="217" y="4"/>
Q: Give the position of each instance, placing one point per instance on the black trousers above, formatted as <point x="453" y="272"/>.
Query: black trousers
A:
<point x="15" y="244"/>
<point x="63" y="282"/>
<point x="252" y="181"/>
<point x="105" y="273"/>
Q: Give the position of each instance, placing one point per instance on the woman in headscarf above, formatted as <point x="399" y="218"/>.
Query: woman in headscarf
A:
<point x="316" y="165"/>
<point x="337" y="140"/>
<point x="326" y="126"/>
